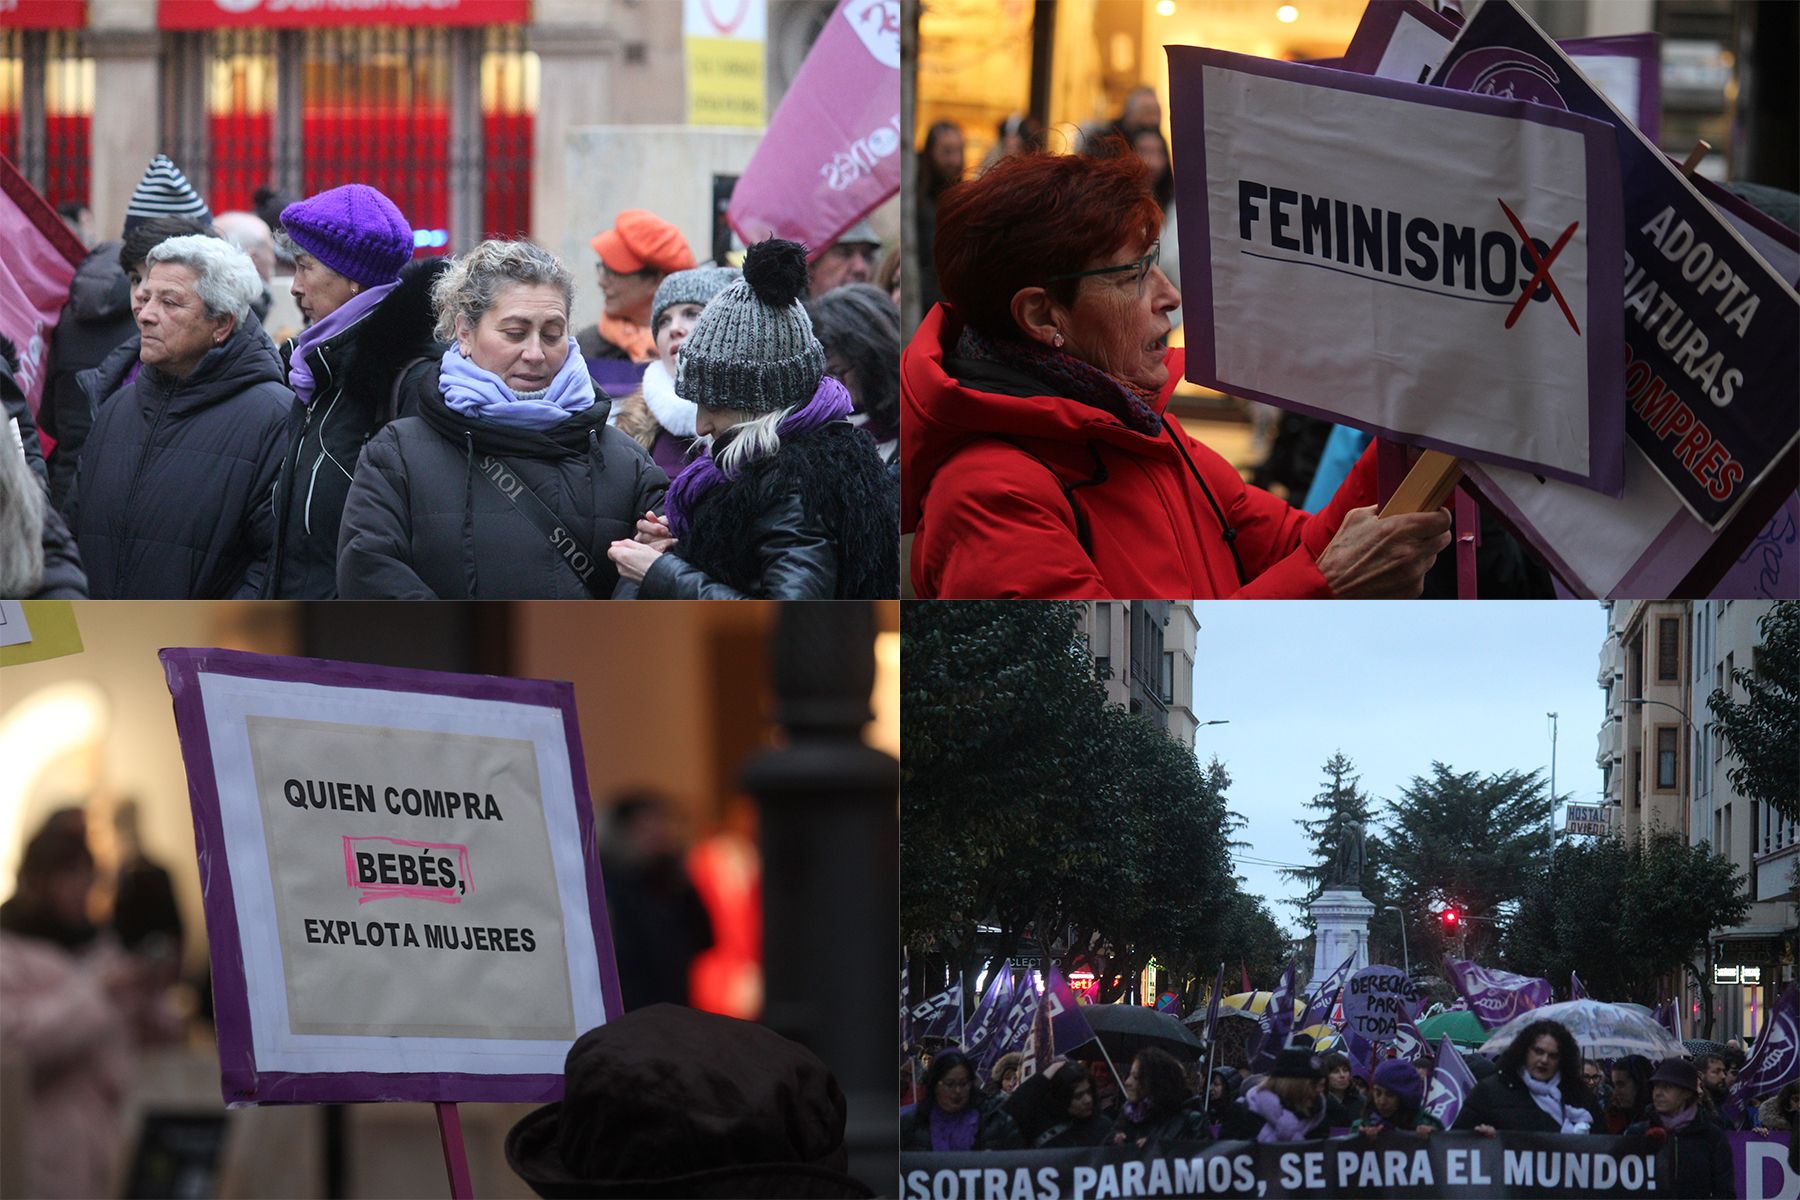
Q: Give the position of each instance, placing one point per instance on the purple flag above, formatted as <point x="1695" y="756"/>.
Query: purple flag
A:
<point x="1276" y="1023"/>
<point x="939" y="1017"/>
<point x="986" y="1022"/>
<point x="1067" y="1026"/>
<point x="1668" y="1015"/>
<point x="1212" y="1005"/>
<point x="833" y="150"/>
<point x="1015" y="1026"/>
<point x="1775" y="1062"/>
<point x="1576" y="991"/>
<point x="1451" y="1083"/>
<point x="1408" y="1042"/>
<point x="1495" y="996"/>
<point x="1322" y="1000"/>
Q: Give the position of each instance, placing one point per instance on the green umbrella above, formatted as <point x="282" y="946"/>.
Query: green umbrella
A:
<point x="1462" y="1026"/>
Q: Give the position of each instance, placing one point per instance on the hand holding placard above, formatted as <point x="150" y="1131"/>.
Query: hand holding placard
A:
<point x="1383" y="558"/>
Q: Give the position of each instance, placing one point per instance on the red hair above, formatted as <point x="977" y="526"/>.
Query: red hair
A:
<point x="1033" y="216"/>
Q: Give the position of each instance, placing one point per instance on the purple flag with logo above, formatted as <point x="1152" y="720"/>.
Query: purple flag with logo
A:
<point x="1451" y="1083"/>
<point x="1067" y="1026"/>
<point x="1408" y="1042"/>
<point x="1319" y="1011"/>
<point x="1494" y="996"/>
<point x="833" y="151"/>
<point x="1576" y="991"/>
<point x="1015" y="1026"/>
<point x="986" y="1021"/>
<point x="1775" y="1062"/>
<point x="939" y="1017"/>
<point x="1276" y="1022"/>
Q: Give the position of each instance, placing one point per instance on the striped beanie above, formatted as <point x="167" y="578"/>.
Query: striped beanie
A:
<point x="164" y="192"/>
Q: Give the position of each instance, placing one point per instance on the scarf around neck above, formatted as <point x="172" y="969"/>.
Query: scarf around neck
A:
<point x="830" y="402"/>
<point x="1680" y="1120"/>
<point x="1548" y="1096"/>
<point x="1280" y="1124"/>
<point x="478" y="393"/>
<point x="671" y="411"/>
<point x="300" y="376"/>
<point x="955" y="1132"/>
<point x="634" y="339"/>
<point x="1078" y="379"/>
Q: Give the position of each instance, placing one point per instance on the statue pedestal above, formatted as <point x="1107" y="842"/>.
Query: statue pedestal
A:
<point x="1342" y="916"/>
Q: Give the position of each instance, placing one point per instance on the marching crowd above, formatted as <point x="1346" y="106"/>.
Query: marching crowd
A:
<point x="440" y="429"/>
<point x="1539" y="1083"/>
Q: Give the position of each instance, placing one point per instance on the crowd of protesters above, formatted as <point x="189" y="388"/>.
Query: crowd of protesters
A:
<point x="1539" y="1083"/>
<point x="439" y="429"/>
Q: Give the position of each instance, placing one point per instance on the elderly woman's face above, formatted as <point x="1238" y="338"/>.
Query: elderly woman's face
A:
<point x="1668" y="1099"/>
<point x="176" y="331"/>
<point x="523" y="337"/>
<point x="319" y="290"/>
<point x="628" y="296"/>
<point x="1119" y="327"/>
<point x="672" y="328"/>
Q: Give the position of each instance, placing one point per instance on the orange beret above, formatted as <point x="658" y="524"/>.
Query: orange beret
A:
<point x="642" y="240"/>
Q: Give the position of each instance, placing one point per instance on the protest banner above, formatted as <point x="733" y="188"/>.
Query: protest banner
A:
<point x="1760" y="1166"/>
<point x="1398" y="1166"/>
<point x="1710" y="365"/>
<point x="1495" y="996"/>
<point x="400" y="878"/>
<point x="1378" y="1000"/>
<point x="1362" y="250"/>
<point x="33" y="630"/>
<point x="832" y="153"/>
<point x="38" y="260"/>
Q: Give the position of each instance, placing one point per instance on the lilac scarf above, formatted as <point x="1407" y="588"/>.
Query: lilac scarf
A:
<point x="481" y="394"/>
<point x="300" y="376"/>
<point x="1279" y="1124"/>
<point x="955" y="1132"/>
<point x="830" y="402"/>
<point x="1680" y="1120"/>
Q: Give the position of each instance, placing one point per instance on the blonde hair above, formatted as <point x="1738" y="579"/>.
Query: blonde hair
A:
<point x="754" y="439"/>
<point x="474" y="280"/>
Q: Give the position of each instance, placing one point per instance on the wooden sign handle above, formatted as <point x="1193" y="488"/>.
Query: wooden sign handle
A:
<point x="1695" y="155"/>
<point x="1426" y="486"/>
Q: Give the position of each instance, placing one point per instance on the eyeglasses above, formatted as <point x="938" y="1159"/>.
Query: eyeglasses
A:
<point x="1141" y="266"/>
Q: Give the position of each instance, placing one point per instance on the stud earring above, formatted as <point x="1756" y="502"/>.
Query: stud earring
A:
<point x="1057" y="341"/>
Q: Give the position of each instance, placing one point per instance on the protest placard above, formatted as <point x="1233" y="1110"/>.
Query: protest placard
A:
<point x="33" y="630"/>
<point x="400" y="878"/>
<point x="1378" y="1001"/>
<point x="1437" y="267"/>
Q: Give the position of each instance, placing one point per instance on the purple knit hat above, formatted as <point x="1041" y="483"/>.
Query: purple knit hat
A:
<point x="354" y="230"/>
<point x="1401" y="1078"/>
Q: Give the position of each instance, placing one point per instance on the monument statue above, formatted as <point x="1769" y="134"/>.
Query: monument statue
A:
<point x="1347" y="865"/>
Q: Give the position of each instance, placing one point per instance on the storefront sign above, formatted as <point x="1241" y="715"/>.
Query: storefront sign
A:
<point x="1588" y="820"/>
<point x="33" y="630"/>
<point x="724" y="41"/>
<point x="43" y="14"/>
<point x="399" y="872"/>
<point x="1434" y="266"/>
<point x="296" y="14"/>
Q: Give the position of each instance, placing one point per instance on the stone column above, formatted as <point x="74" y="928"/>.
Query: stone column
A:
<point x="124" y="134"/>
<point x="1343" y="916"/>
<point x="575" y="49"/>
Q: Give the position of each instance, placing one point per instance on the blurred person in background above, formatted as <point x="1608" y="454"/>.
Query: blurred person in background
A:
<point x="654" y="416"/>
<point x="850" y="259"/>
<point x="251" y="234"/>
<point x="145" y="917"/>
<point x="659" y="924"/>
<point x="38" y="556"/>
<point x="1016" y="134"/>
<point x="1156" y="1104"/>
<point x="1629" y="1100"/>
<point x="941" y="166"/>
<point x="860" y="329"/>
<point x="636" y="255"/>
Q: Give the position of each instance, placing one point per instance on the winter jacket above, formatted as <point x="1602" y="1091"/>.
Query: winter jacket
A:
<point x="171" y="500"/>
<point x="1066" y="1133"/>
<point x="1014" y="492"/>
<point x="63" y="578"/>
<point x="1183" y="1125"/>
<point x="646" y="414"/>
<point x="424" y="517"/>
<point x="995" y="1131"/>
<point x="94" y="321"/>
<point x="813" y="521"/>
<point x="356" y="391"/>
<point x="1503" y="1101"/>
<point x="1770" y="1116"/>
<point x="1703" y="1167"/>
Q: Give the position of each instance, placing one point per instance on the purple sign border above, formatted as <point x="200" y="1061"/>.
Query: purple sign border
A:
<point x="1376" y="29"/>
<point x="1606" y="245"/>
<point x="240" y="1080"/>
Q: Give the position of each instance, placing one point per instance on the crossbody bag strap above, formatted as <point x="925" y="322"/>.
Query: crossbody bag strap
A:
<point x="1083" y="534"/>
<point x="570" y="551"/>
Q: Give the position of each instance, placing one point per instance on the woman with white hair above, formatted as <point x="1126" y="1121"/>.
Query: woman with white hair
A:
<point x="508" y="482"/>
<point x="171" y="498"/>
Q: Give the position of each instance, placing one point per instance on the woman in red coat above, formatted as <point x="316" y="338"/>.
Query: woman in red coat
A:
<point x="1037" y="460"/>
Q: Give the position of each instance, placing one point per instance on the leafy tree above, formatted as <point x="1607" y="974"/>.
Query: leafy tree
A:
<point x="1626" y="915"/>
<point x="1764" y="729"/>
<point x="1343" y="807"/>
<point x="1464" y="839"/>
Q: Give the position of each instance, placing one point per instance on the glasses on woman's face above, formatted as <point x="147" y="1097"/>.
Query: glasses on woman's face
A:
<point x="1141" y="266"/>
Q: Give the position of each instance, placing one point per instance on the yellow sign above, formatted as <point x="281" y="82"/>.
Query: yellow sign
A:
<point x="33" y="630"/>
<point x="725" y="82"/>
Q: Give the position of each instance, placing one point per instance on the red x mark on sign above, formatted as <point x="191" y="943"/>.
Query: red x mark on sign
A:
<point x="1542" y="273"/>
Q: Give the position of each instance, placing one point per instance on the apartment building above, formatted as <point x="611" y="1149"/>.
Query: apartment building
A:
<point x="1143" y="653"/>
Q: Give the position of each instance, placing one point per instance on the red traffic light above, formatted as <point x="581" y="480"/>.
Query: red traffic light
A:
<point x="1451" y="918"/>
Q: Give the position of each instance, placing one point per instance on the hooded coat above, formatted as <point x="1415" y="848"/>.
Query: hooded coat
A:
<point x="1015" y="492"/>
<point x="813" y="521"/>
<point x="423" y="520"/>
<point x="357" y="390"/>
<point x="171" y="500"/>
<point x="94" y="321"/>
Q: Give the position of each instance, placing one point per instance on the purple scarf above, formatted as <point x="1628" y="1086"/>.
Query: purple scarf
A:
<point x="1137" y="1111"/>
<point x="1680" y="1120"/>
<point x="475" y="392"/>
<point x="300" y="376"/>
<point x="830" y="402"/>
<point x="955" y="1132"/>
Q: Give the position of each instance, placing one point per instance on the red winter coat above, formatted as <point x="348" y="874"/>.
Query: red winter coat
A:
<point x="990" y="521"/>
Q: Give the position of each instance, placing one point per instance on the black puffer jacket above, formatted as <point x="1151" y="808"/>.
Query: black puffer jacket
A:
<point x="424" y="518"/>
<point x="95" y="320"/>
<point x="1503" y="1101"/>
<point x="1703" y="1157"/>
<point x="356" y="374"/>
<point x="817" y="520"/>
<point x="171" y="500"/>
<point x="63" y="578"/>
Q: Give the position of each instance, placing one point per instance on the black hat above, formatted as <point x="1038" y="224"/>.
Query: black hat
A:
<point x="1295" y="1062"/>
<point x="1678" y="1071"/>
<point x="669" y="1101"/>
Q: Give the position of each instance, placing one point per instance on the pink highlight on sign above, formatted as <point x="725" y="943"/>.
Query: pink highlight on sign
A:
<point x="384" y="868"/>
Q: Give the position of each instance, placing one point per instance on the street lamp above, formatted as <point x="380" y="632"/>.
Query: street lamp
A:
<point x="1204" y="724"/>
<point x="1552" y="717"/>
<point x="1665" y="704"/>
<point x="1406" y="954"/>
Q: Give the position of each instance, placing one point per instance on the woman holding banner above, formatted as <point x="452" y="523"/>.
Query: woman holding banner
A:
<point x="1530" y="1090"/>
<point x="1156" y="1103"/>
<point x="947" y="1118"/>
<point x="1037" y="460"/>
<point x="1703" y="1167"/>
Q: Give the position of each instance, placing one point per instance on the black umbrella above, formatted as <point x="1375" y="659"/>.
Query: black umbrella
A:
<point x="1124" y="1029"/>
<point x="1699" y="1046"/>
